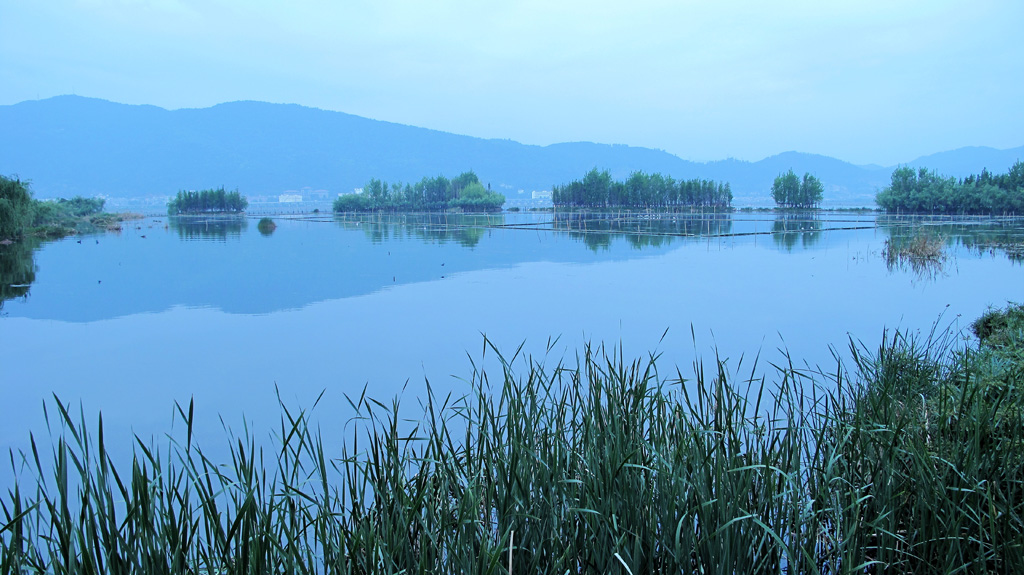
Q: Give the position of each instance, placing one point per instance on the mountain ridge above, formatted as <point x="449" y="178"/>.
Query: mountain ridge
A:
<point x="74" y="145"/>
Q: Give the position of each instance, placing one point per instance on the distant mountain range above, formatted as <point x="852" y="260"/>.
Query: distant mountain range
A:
<point x="71" y="145"/>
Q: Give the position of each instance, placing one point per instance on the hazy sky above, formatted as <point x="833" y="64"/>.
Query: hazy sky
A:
<point x="869" y="81"/>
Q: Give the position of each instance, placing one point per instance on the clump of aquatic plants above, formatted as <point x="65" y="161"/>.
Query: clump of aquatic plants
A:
<point x="266" y="226"/>
<point x="902" y="465"/>
<point x="999" y="362"/>
<point x="935" y="449"/>
<point x="923" y="252"/>
<point x="999" y="327"/>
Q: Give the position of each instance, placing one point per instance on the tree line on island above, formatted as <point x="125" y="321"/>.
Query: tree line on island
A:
<point x="924" y="191"/>
<point x="789" y="191"/>
<point x="207" y="201"/>
<point x="641" y="190"/>
<point x="910" y="191"/>
<point x="464" y="192"/>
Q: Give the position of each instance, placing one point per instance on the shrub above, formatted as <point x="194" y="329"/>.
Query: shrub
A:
<point x="266" y="226"/>
<point x="15" y="207"/>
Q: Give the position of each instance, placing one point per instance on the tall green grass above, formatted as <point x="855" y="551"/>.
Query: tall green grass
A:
<point x="909" y="463"/>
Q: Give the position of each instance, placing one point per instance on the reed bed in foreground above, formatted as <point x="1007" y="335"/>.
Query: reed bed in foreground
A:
<point x="910" y="463"/>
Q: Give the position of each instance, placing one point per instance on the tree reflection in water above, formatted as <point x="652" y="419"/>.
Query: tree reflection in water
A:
<point x="17" y="269"/>
<point x="207" y="227"/>
<point x="799" y="227"/>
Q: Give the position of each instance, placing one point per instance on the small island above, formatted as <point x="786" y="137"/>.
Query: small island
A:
<point x="924" y="191"/>
<point x="790" y="191"/>
<point x="464" y="193"/>
<point x="641" y="190"/>
<point x="212" y="201"/>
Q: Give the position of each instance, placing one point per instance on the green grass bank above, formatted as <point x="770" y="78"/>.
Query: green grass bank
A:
<point x="909" y="460"/>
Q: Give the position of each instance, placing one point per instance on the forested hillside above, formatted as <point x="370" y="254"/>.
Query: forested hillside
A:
<point x="70" y="145"/>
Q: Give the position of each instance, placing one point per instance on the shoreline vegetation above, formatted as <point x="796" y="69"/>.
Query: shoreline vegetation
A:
<point x="23" y="216"/>
<point x="911" y="461"/>
<point x="464" y="193"/>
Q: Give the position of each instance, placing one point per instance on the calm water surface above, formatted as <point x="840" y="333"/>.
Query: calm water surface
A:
<point x="213" y="310"/>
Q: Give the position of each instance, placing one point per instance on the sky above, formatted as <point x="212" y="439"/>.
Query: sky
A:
<point x="868" y="81"/>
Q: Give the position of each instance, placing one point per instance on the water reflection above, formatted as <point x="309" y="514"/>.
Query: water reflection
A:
<point x="17" y="269"/>
<point x="465" y="230"/>
<point x="597" y="231"/>
<point x="318" y="258"/>
<point x="791" y="228"/>
<point x="1000" y="236"/>
<point x="640" y="230"/>
<point x="979" y="235"/>
<point x="600" y="231"/>
<point x="208" y="227"/>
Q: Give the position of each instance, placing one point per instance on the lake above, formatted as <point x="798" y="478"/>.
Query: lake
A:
<point x="208" y="308"/>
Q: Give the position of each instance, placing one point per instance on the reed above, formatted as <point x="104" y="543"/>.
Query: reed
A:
<point x="908" y="462"/>
<point x="920" y="249"/>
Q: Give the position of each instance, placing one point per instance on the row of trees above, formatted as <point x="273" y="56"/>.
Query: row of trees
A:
<point x="789" y="191"/>
<point x="924" y="191"/>
<point x="20" y="213"/>
<point x="641" y="190"/>
<point x="207" y="201"/>
<point x="464" y="192"/>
